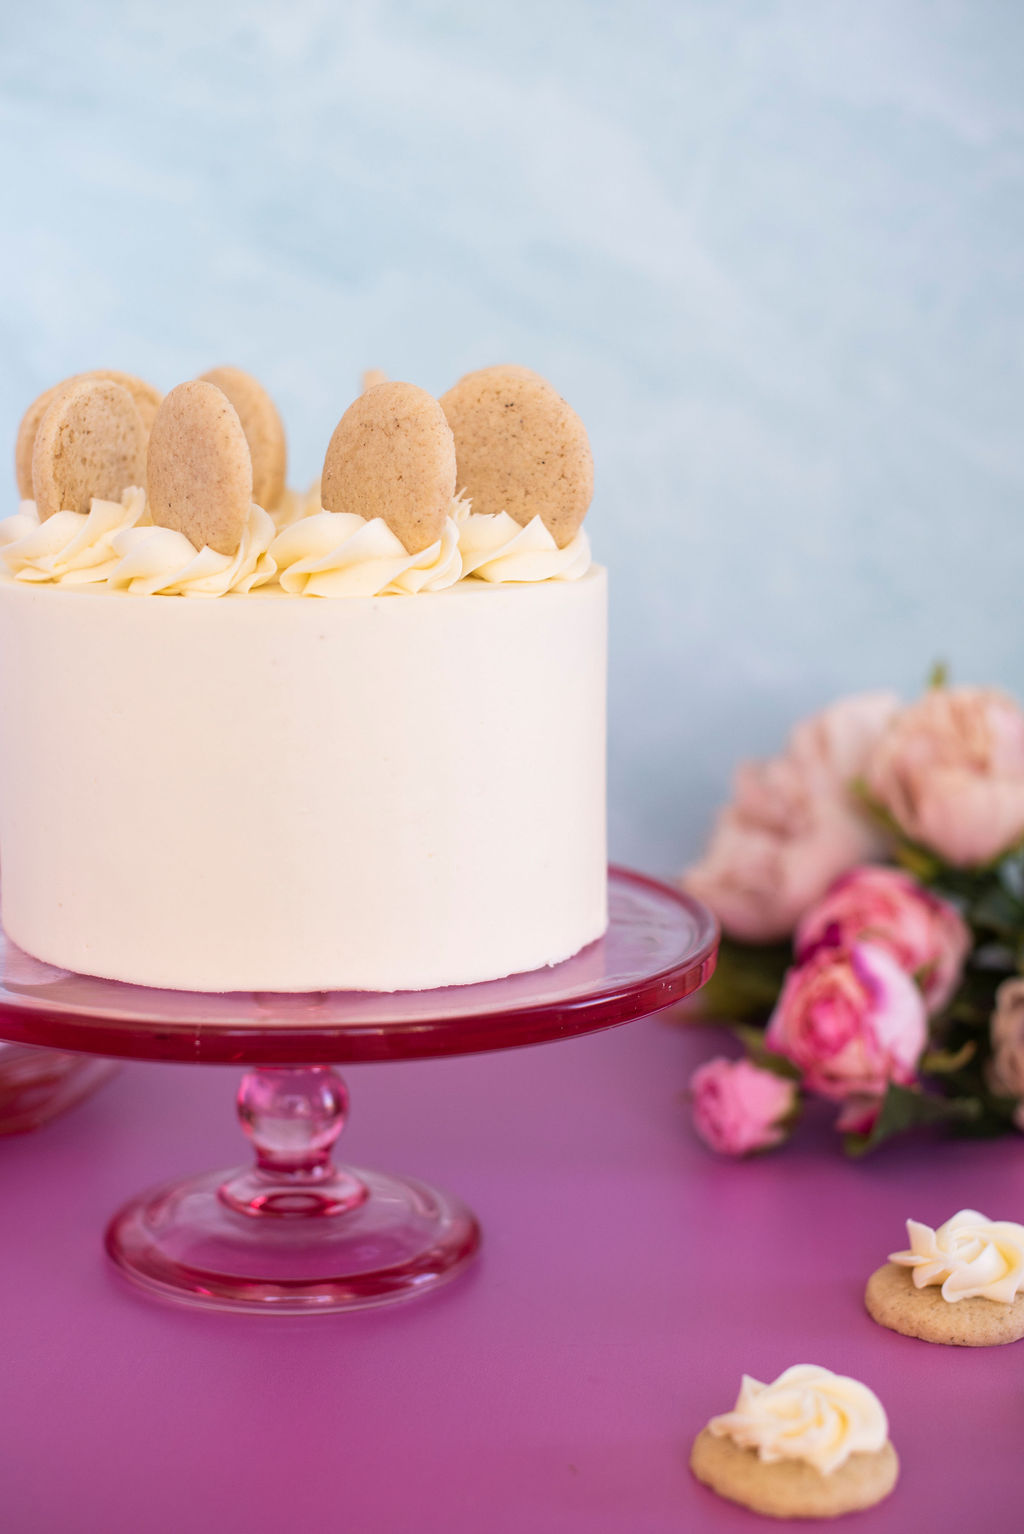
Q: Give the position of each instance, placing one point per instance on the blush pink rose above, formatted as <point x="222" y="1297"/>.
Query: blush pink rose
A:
<point x="1006" y="1030"/>
<point x="858" y="1115"/>
<point x="852" y="1021"/>
<point x="950" y="772"/>
<point x="793" y="825"/>
<point x="739" y="1108"/>
<point x="885" y="906"/>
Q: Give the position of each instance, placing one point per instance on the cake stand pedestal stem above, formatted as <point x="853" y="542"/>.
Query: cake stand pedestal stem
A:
<point x="293" y="1115"/>
<point x="293" y="1233"/>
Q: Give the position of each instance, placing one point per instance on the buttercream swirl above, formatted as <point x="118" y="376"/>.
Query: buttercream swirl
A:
<point x="970" y="1257"/>
<point x="160" y="561"/>
<point x="24" y="520"/>
<point x="340" y="554"/>
<point x="494" y="547"/>
<point x="71" y="548"/>
<point x="295" y="504"/>
<point x="808" y="1414"/>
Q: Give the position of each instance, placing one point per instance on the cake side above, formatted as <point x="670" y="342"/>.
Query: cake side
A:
<point x="269" y="793"/>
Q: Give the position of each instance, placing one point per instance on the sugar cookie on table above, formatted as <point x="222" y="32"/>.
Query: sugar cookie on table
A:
<point x="264" y="432"/>
<point x="521" y="449"/>
<point x="147" y="402"/>
<point x="392" y="456"/>
<point x="811" y="1444"/>
<point x="90" y="442"/>
<point x="961" y="1284"/>
<point x="200" y="467"/>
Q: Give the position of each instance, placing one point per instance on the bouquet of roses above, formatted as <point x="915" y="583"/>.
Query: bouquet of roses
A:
<point x="870" y="886"/>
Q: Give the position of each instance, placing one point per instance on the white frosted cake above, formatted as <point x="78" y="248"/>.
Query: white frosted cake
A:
<point x="349" y="742"/>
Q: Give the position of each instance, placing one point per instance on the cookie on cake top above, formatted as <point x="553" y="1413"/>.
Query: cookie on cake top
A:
<point x="185" y="495"/>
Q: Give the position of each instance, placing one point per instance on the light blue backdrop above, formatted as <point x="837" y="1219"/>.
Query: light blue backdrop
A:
<point x="773" y="253"/>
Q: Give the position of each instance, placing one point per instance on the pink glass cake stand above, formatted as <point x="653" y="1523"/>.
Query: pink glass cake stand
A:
<point x="293" y="1232"/>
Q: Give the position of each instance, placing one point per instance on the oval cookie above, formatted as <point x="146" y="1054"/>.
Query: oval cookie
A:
<point x="26" y="439"/>
<point x="147" y="401"/>
<point x="90" y="442"/>
<point x="264" y="432"/>
<point x="392" y="456"/>
<point x="200" y="468"/>
<point x="520" y="448"/>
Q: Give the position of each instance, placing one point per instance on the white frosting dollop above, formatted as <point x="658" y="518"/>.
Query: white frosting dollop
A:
<point x="159" y="561"/>
<point x="296" y="504"/>
<point x="339" y="554"/>
<point x="24" y="520"/>
<point x="809" y="1414"/>
<point x="970" y="1256"/>
<point x="494" y="547"/>
<point x="71" y="548"/>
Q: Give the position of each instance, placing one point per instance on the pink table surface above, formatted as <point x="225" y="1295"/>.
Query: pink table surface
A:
<point x="627" y="1279"/>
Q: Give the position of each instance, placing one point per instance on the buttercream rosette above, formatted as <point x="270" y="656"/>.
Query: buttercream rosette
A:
<point x="340" y="554"/>
<point x="160" y="561"/>
<point x="71" y="548"/>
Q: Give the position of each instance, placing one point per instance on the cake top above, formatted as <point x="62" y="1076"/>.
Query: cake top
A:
<point x="187" y="495"/>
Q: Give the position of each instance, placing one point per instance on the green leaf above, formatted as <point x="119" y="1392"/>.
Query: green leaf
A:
<point x="997" y="910"/>
<point x="877" y="812"/>
<point x="753" y="1041"/>
<point x="746" y="982"/>
<point x="924" y="865"/>
<point x="906" y="1108"/>
<point x="938" y="676"/>
<point x="943" y="1062"/>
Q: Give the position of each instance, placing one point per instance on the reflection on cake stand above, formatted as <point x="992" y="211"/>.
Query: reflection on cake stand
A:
<point x="36" y="1085"/>
<point x="293" y="1232"/>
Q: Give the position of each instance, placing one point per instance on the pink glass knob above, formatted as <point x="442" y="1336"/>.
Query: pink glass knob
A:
<point x="293" y="1115"/>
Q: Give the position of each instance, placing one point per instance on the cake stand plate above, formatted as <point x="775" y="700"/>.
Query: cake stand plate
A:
<point x="293" y="1232"/>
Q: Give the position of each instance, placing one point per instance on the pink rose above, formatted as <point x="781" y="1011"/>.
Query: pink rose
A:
<point x="739" y="1108"/>
<point x="852" y="1021"/>
<point x="1006" y="1030"/>
<point x="858" y="1115"/>
<point x="950" y="772"/>
<point x="793" y="826"/>
<point x="886" y="907"/>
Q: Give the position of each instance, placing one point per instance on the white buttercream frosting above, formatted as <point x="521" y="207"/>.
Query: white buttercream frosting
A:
<point x="364" y="746"/>
<point x="808" y="1414"/>
<point x="161" y="561"/>
<point x="970" y="1256"/>
<point x="313" y="552"/>
<point x="295" y="504"/>
<point x="494" y="547"/>
<point x="340" y="554"/>
<point x="24" y="520"/>
<point x="71" y="548"/>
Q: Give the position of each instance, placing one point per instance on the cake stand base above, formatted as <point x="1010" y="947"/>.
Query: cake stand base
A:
<point x="184" y="1243"/>
<point x="294" y="1233"/>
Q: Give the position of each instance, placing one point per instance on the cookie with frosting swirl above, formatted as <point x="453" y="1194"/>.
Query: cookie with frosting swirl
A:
<point x="810" y="1444"/>
<point x="961" y="1284"/>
